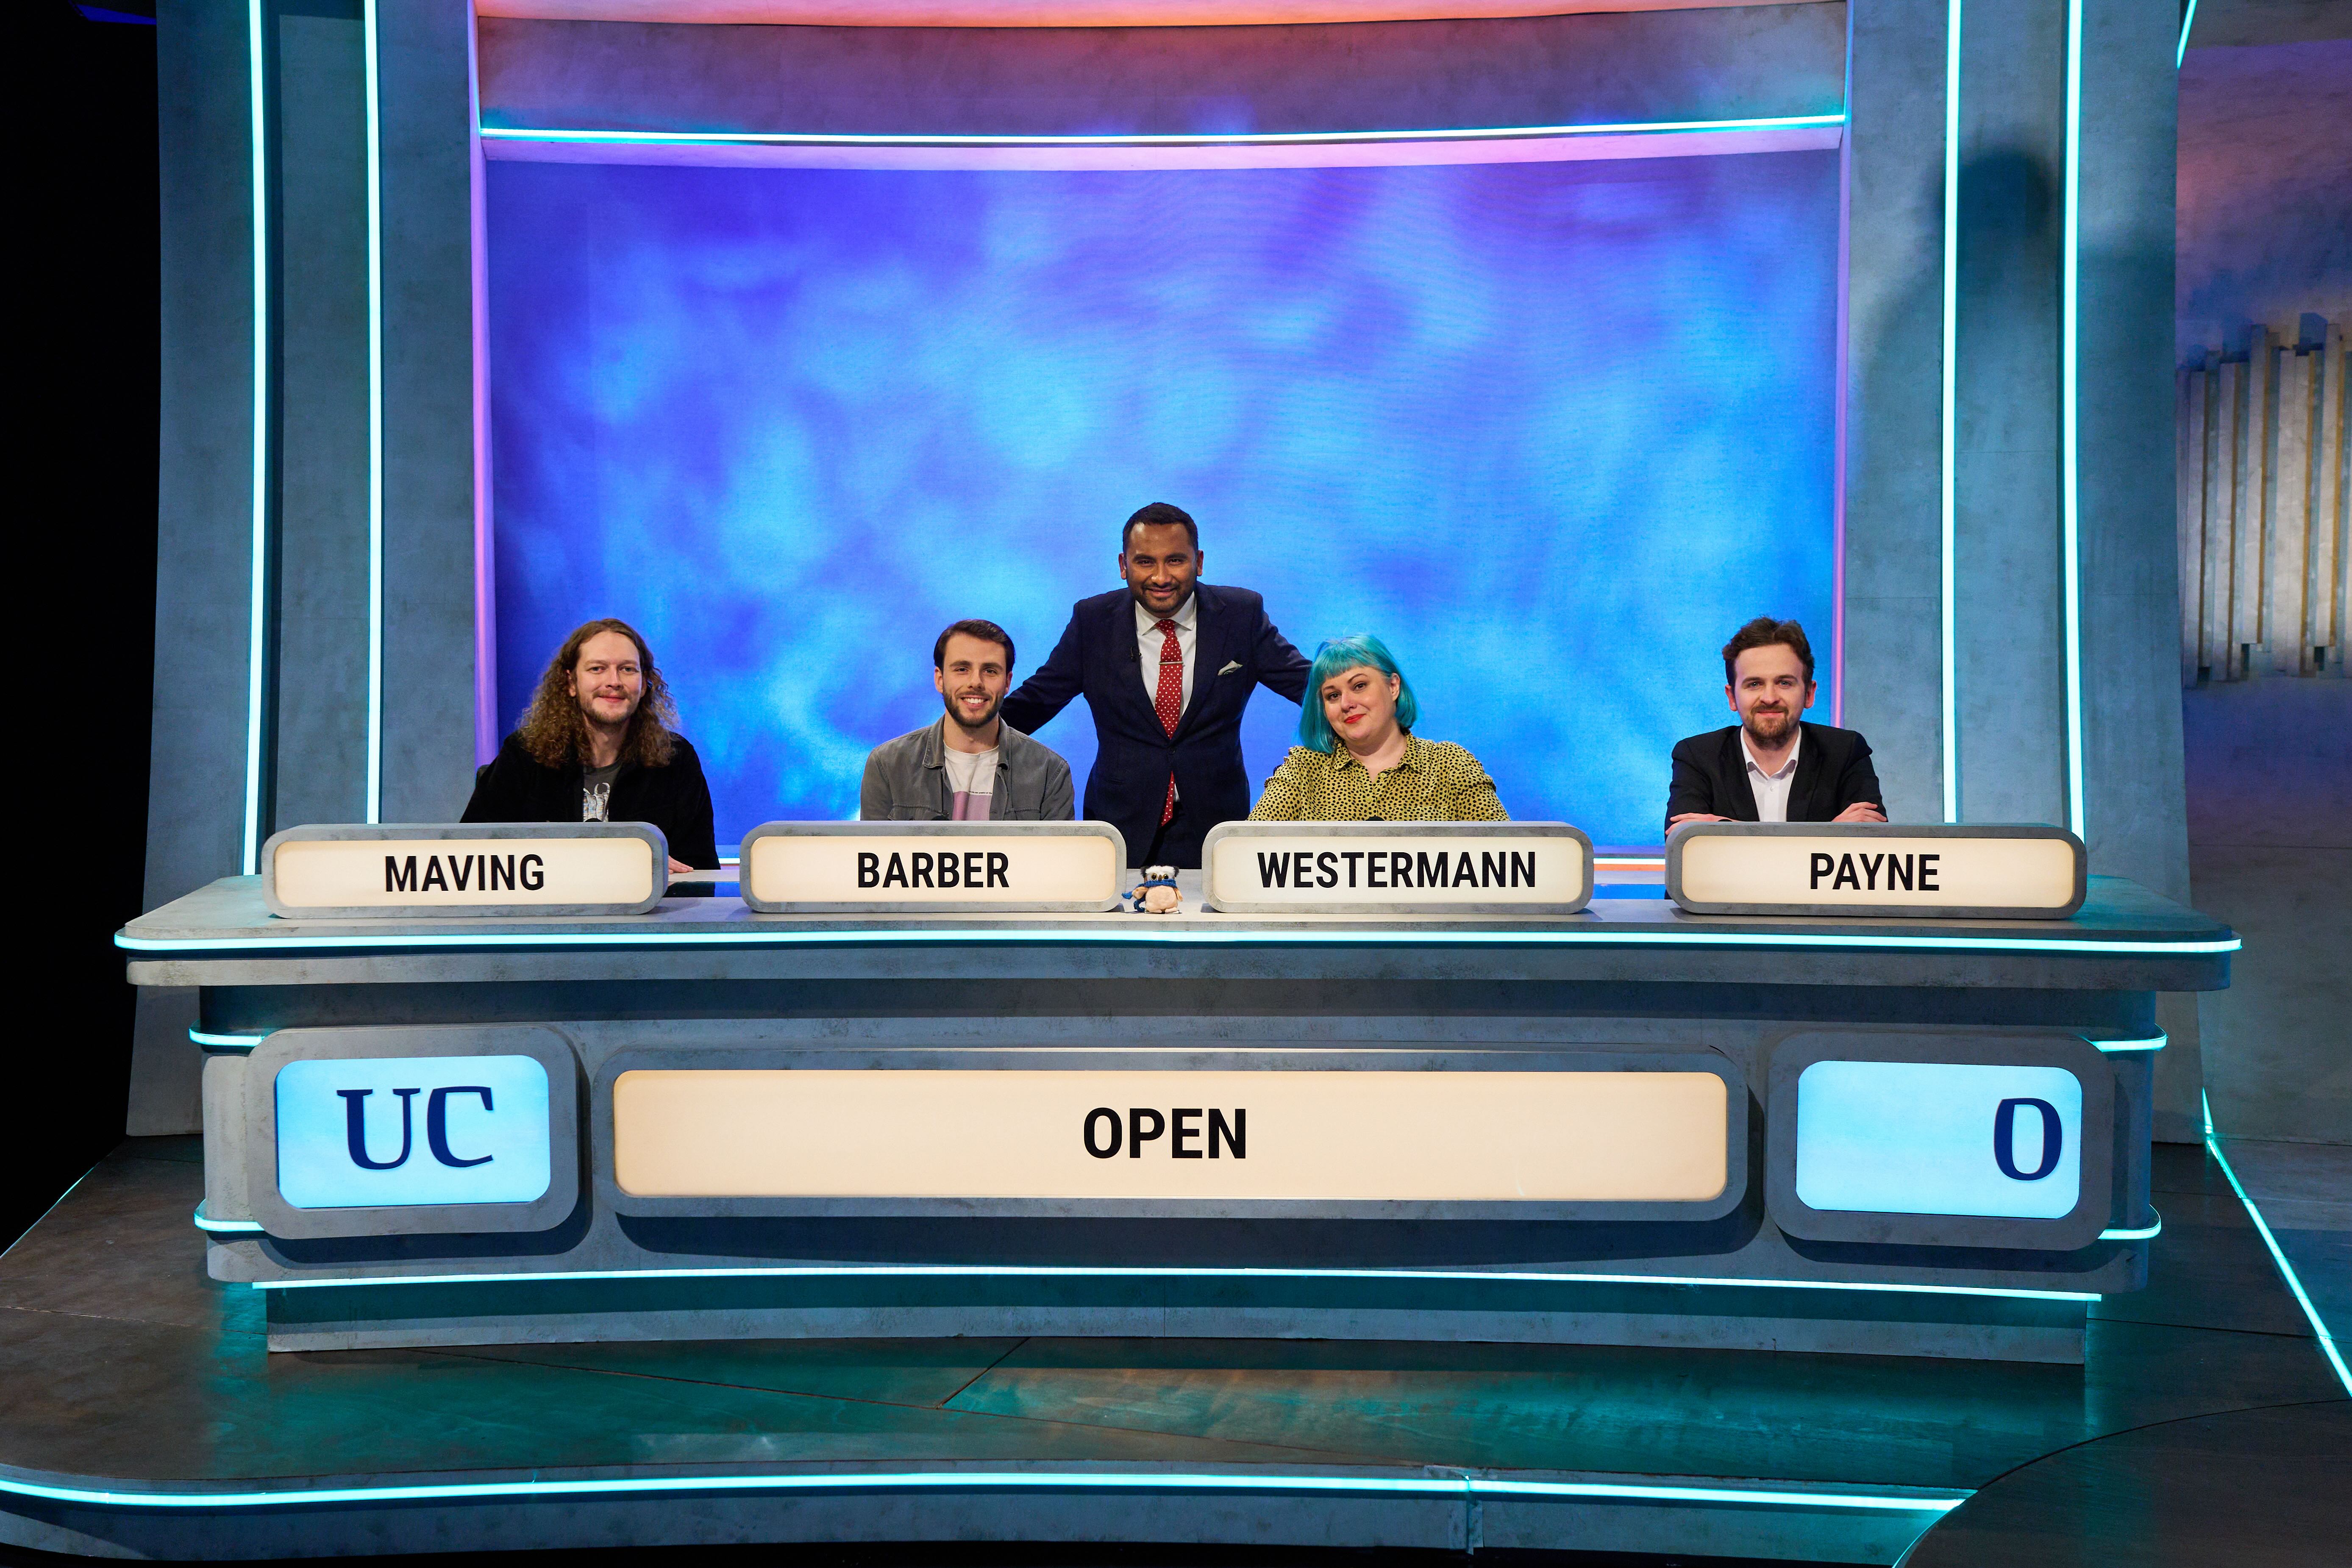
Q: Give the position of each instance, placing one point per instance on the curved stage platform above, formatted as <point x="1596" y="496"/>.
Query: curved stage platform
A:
<point x="147" y="1418"/>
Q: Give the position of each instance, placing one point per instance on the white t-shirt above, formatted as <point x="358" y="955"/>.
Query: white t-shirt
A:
<point x="971" y="777"/>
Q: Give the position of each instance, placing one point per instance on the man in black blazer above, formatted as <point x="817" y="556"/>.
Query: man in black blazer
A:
<point x="1772" y="766"/>
<point x="1168" y="741"/>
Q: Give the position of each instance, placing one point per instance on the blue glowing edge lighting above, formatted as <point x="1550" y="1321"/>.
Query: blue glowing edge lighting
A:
<point x="1077" y="1271"/>
<point x="1462" y="1487"/>
<point x="215" y="1042"/>
<point x="256" y="620"/>
<point x="375" y="414"/>
<point x="1266" y="139"/>
<point x="1948" y="629"/>
<point x="2188" y="20"/>
<point x="204" y="1222"/>
<point x="2070" y="487"/>
<point x="2127" y="1233"/>
<point x="2286" y="1270"/>
<point x="1082" y="935"/>
<point x="2112" y="1047"/>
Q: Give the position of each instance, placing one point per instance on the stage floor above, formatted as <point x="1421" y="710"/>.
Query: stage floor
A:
<point x="144" y="1417"/>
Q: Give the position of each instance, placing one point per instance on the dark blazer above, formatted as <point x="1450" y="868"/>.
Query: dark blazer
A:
<point x="1834" y="771"/>
<point x="1100" y="659"/>
<point x="675" y="798"/>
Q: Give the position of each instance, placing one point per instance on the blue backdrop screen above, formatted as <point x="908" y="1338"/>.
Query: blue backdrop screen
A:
<point x="1550" y="430"/>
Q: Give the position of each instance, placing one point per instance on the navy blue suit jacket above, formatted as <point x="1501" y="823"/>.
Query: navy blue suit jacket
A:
<point x="1100" y="659"/>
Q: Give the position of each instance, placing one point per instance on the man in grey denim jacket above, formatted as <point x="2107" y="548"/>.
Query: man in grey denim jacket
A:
<point x="968" y="766"/>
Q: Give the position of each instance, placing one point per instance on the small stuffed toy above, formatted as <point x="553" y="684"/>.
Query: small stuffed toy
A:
<point x="1158" y="895"/>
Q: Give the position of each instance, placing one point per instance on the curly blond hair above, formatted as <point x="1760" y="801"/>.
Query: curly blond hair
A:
<point x="556" y="736"/>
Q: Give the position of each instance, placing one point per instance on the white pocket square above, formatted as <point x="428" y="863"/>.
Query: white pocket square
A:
<point x="1231" y="666"/>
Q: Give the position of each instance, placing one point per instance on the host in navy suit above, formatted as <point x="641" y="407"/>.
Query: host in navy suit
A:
<point x="1167" y="664"/>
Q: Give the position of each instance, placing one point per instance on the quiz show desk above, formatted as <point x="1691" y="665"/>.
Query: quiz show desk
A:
<point x="1471" y="1102"/>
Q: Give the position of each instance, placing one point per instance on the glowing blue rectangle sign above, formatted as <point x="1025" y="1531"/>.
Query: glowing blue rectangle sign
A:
<point x="406" y="1132"/>
<point x="1940" y="1137"/>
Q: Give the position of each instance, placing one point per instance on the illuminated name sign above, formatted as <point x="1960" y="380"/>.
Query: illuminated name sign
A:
<point x="1594" y="1136"/>
<point x="807" y="867"/>
<point x="403" y="1132"/>
<point x="545" y="869"/>
<point x="431" y="1128"/>
<point x="2028" y="872"/>
<point x="1401" y="868"/>
<point x="1940" y="1137"/>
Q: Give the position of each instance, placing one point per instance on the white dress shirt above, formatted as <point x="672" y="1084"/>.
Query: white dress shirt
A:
<point x="1149" y="638"/>
<point x="1772" y="790"/>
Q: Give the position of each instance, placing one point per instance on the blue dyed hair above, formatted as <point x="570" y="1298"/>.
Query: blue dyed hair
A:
<point x="1347" y="653"/>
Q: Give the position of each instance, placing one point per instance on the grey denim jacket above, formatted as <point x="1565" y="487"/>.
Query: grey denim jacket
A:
<point x="906" y="780"/>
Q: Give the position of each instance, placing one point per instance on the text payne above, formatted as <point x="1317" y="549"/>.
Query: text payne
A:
<point x="1907" y="871"/>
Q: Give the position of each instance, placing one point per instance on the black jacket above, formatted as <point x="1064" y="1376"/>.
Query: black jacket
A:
<point x="1834" y="771"/>
<point x="516" y="787"/>
<point x="1098" y="658"/>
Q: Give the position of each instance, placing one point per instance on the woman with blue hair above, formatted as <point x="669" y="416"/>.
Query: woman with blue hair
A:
<point x="1360" y="760"/>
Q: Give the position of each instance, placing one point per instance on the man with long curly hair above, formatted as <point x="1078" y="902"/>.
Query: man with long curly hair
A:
<point x="600" y="743"/>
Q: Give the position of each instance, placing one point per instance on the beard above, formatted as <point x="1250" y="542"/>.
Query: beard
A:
<point x="594" y="719"/>
<point x="1769" y="729"/>
<point x="955" y="714"/>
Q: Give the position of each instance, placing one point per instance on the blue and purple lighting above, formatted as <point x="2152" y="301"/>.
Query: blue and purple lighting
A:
<point x="1550" y="429"/>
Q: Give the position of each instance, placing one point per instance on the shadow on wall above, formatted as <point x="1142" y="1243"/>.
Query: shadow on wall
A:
<point x="2265" y="189"/>
<point x="2270" y="847"/>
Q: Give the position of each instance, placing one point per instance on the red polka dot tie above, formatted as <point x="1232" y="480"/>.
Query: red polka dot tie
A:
<point x="1168" y="700"/>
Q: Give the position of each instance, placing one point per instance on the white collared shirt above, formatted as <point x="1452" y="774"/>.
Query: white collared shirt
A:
<point x="1149" y="638"/>
<point x="1772" y="790"/>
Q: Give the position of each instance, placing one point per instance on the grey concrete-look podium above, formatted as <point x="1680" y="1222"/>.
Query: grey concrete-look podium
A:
<point x="705" y="981"/>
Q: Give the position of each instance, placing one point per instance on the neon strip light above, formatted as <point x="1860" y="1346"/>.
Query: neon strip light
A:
<point x="2293" y="1283"/>
<point x="2115" y="1047"/>
<point x="486" y="597"/>
<point x="256" y="620"/>
<point x="1464" y="1487"/>
<point x="672" y="938"/>
<point x="1949" y="628"/>
<point x="2188" y="20"/>
<point x="375" y="416"/>
<point x="224" y="1042"/>
<point x="225" y="1226"/>
<point x="1267" y="139"/>
<point x="2069" y="445"/>
<point x="2124" y="1233"/>
<point x="1087" y="1271"/>
<point x="1841" y="415"/>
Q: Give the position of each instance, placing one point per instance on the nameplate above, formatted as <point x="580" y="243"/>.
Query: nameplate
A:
<point x="388" y="1131"/>
<point x="2024" y="872"/>
<point x="473" y="868"/>
<point x="1301" y="1137"/>
<point x="933" y="868"/>
<point x="1459" y="868"/>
